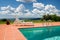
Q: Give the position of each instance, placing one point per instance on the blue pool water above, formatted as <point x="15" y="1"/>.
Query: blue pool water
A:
<point x="44" y="33"/>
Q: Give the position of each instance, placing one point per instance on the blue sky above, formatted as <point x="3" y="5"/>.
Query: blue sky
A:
<point x="14" y="3"/>
<point x="28" y="6"/>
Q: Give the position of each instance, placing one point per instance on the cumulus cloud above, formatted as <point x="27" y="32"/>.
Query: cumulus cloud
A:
<point x="20" y="8"/>
<point x="7" y="8"/>
<point x="38" y="12"/>
<point x="42" y="9"/>
<point x="5" y="12"/>
<point x="30" y="14"/>
<point x="26" y="0"/>
<point x="48" y="7"/>
<point x="38" y="5"/>
<point x="51" y="9"/>
<point x="39" y="9"/>
<point x="19" y="11"/>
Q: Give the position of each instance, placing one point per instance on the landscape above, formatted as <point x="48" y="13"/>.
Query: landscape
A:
<point x="29" y="20"/>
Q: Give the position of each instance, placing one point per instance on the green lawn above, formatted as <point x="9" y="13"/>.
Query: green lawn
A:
<point x="4" y="22"/>
<point x="34" y="21"/>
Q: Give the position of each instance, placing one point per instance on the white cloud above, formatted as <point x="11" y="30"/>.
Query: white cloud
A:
<point x="51" y="9"/>
<point x="12" y="11"/>
<point x="7" y="8"/>
<point x="26" y="0"/>
<point x="39" y="9"/>
<point x="5" y="12"/>
<point x="19" y="11"/>
<point x="20" y="8"/>
<point x="28" y="13"/>
<point x="48" y="7"/>
<point x="38" y="12"/>
<point x="38" y="5"/>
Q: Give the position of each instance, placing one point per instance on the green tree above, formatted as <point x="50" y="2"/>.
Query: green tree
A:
<point x="51" y="17"/>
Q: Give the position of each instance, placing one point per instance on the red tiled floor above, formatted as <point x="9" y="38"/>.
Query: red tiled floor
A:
<point x="11" y="32"/>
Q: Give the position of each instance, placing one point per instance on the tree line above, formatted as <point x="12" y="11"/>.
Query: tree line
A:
<point x="51" y="17"/>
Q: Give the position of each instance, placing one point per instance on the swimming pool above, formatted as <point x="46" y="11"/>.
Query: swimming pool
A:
<point x="44" y="33"/>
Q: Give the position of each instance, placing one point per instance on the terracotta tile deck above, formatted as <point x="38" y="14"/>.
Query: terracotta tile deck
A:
<point x="11" y="32"/>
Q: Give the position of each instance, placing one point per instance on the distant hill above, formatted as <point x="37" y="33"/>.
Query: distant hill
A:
<point x="30" y="18"/>
<point x="24" y="19"/>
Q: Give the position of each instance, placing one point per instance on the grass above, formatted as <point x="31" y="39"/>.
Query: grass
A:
<point x="4" y="22"/>
<point x="34" y="21"/>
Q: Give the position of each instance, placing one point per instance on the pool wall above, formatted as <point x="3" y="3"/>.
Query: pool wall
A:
<point x="40" y="33"/>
